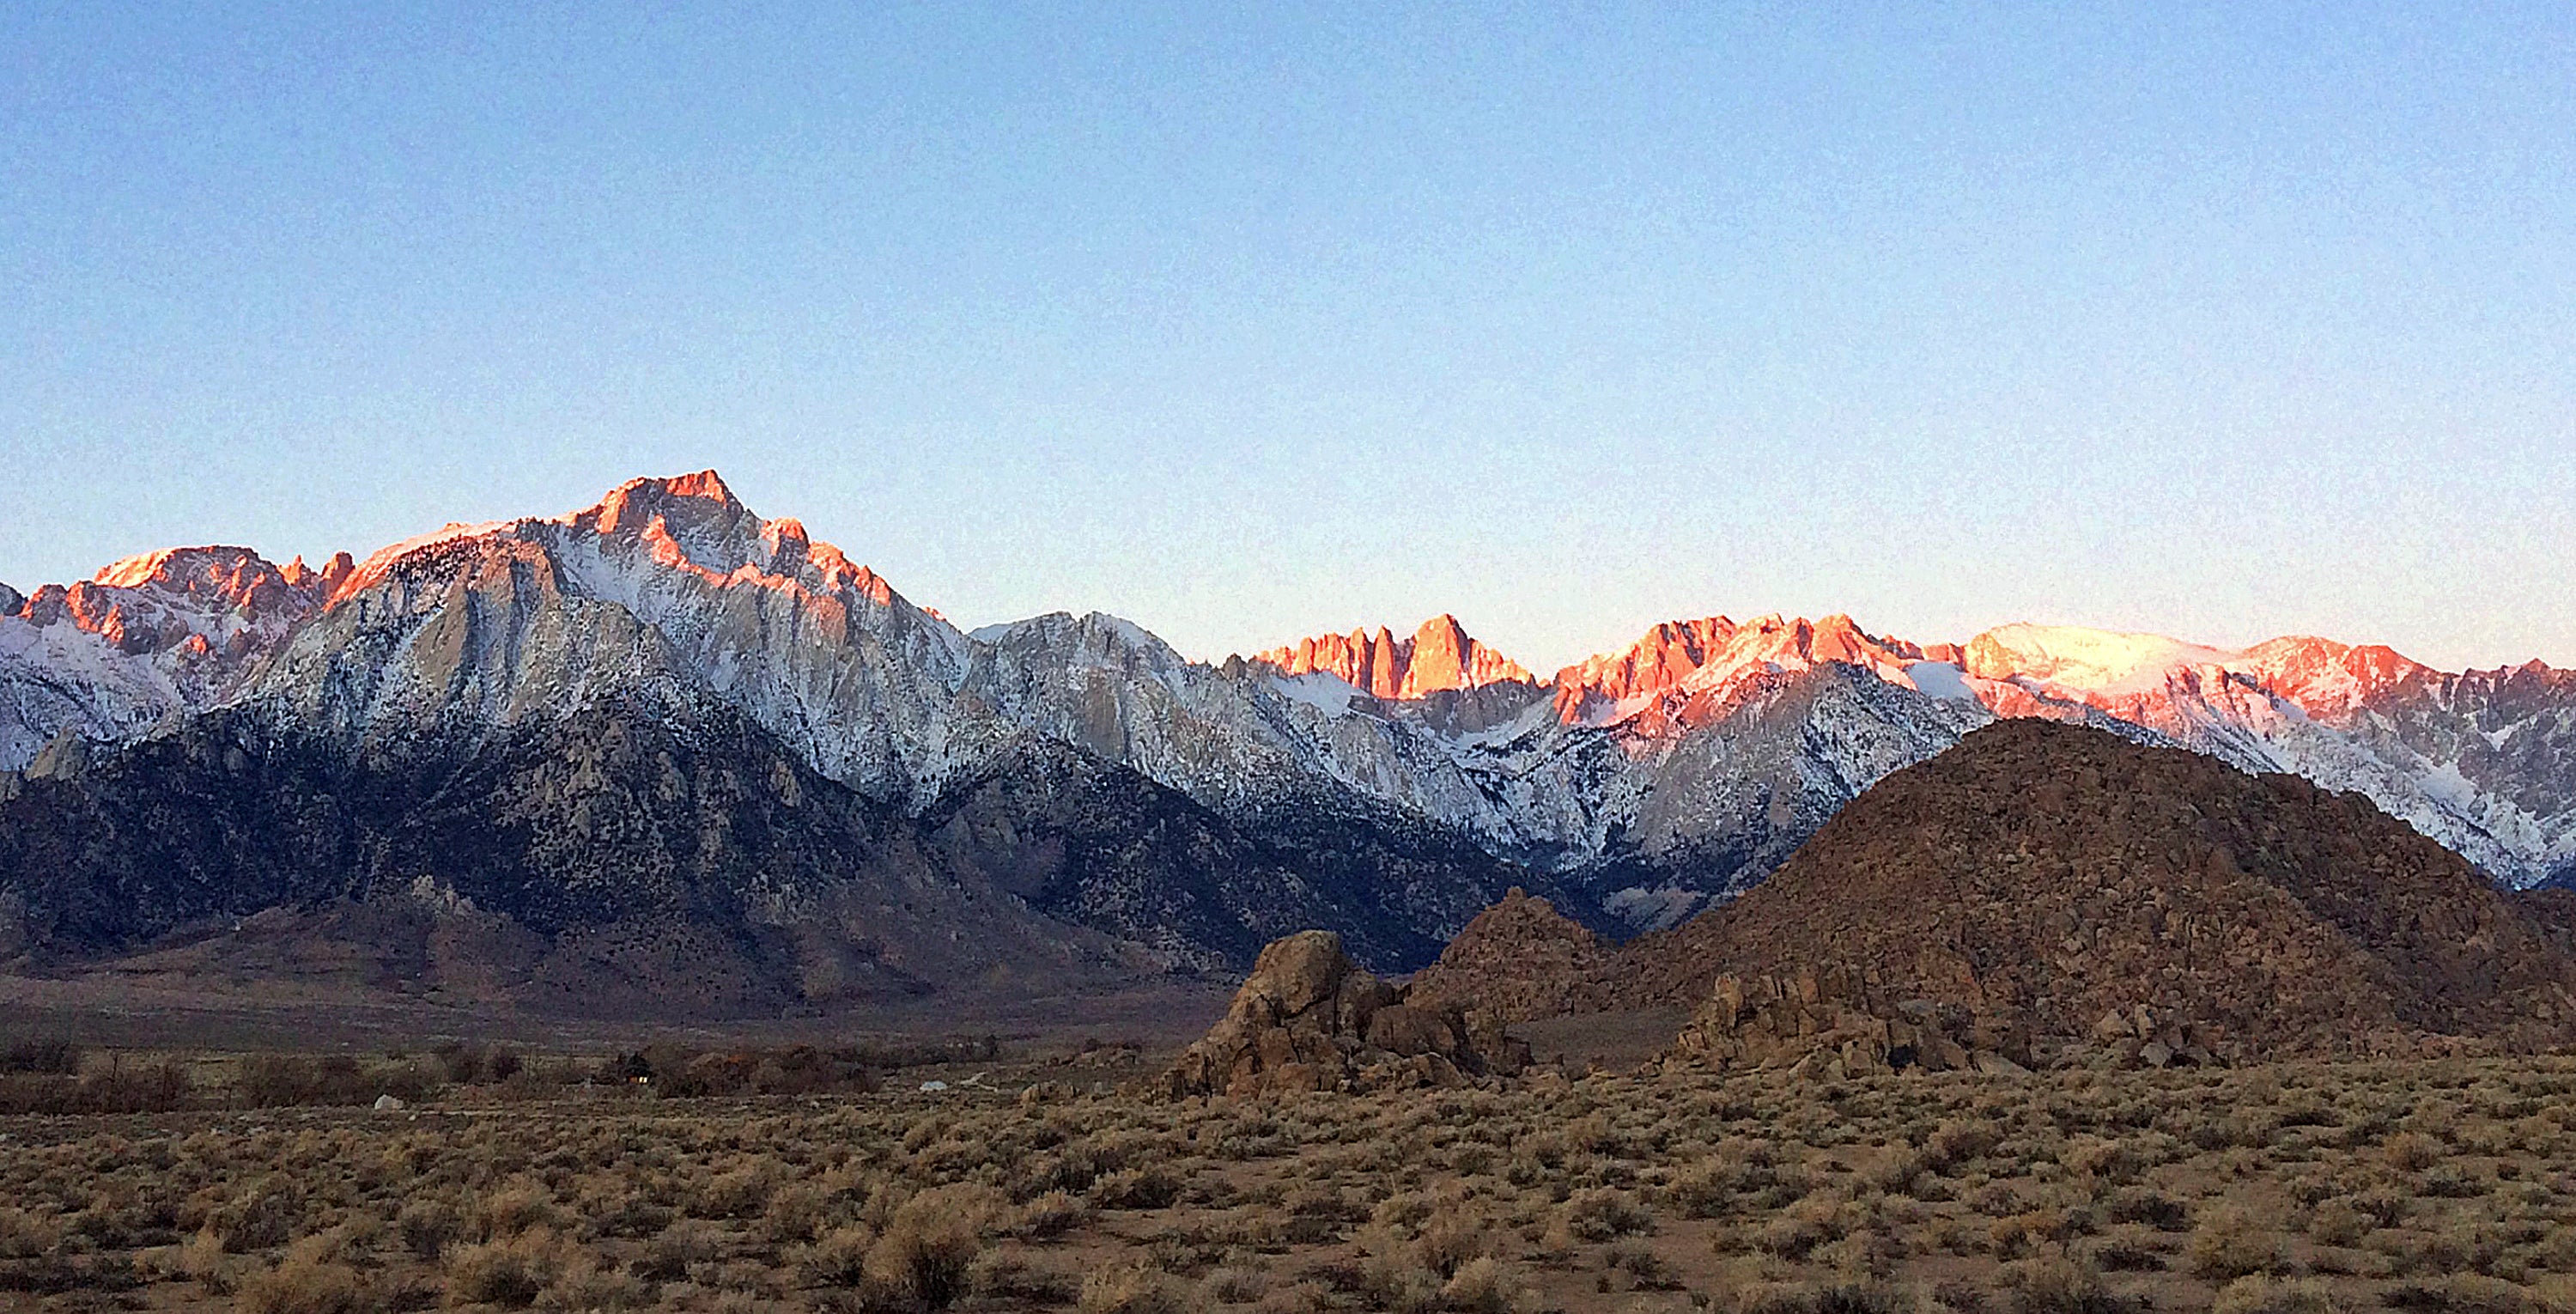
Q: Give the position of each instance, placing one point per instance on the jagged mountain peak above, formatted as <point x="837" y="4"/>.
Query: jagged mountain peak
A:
<point x="689" y="525"/>
<point x="203" y="599"/>
<point x="1439" y="656"/>
<point x="1692" y="666"/>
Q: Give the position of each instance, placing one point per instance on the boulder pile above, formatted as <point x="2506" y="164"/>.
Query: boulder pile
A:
<point x="1310" y="1019"/>
<point x="1843" y="1023"/>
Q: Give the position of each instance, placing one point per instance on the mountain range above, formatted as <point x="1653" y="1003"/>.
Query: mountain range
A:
<point x="663" y="734"/>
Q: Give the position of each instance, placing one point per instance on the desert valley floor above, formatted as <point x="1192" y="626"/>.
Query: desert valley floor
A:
<point x="1042" y="1181"/>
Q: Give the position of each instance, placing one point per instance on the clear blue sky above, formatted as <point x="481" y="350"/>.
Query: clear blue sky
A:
<point x="2223" y="320"/>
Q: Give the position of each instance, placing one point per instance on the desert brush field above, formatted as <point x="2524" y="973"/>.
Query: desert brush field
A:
<point x="799" y="1179"/>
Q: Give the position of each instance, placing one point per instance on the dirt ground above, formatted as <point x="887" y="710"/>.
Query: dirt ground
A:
<point x="2434" y="1185"/>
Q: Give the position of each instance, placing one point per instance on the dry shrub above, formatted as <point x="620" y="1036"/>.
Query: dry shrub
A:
<point x="1307" y="1297"/>
<point x="1713" y="1186"/>
<point x="1828" y="1298"/>
<point x="1236" y="1286"/>
<point x="1150" y="1187"/>
<point x="2124" y="1249"/>
<point x="1646" y="1268"/>
<point x="1605" y="1212"/>
<point x="2338" y="1223"/>
<point x="512" y="1272"/>
<point x="1957" y="1143"/>
<point x="586" y="1284"/>
<point x="1996" y="1200"/>
<point x="999" y="1275"/>
<point x="2259" y="1294"/>
<point x="2461" y="1293"/>
<point x="1130" y="1289"/>
<point x="1051" y="1214"/>
<point x="1485" y="1285"/>
<point x="2109" y="1161"/>
<point x="931" y="1240"/>
<point x="1799" y="1230"/>
<point x="2026" y="1232"/>
<point x="269" y="1214"/>
<point x="669" y="1254"/>
<point x="427" y="1224"/>
<point x="1450" y="1238"/>
<point x="516" y="1208"/>
<point x="2232" y="1243"/>
<point x="2059" y="1285"/>
<point x="202" y="1257"/>
<point x="302" y="1285"/>
<point x="2412" y="1151"/>
<point x="24" y="1235"/>
<point x="838" y="1258"/>
<point x="795" y="1213"/>
<point x="741" y="1193"/>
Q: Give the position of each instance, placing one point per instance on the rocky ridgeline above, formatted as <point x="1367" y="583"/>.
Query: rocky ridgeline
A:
<point x="1843" y="1023"/>
<point x="1309" y="1019"/>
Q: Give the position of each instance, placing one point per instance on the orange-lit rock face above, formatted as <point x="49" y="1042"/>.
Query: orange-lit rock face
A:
<point x="158" y="602"/>
<point x="1683" y="674"/>
<point x="1668" y="654"/>
<point x="2157" y="681"/>
<point x="1439" y="656"/>
<point x="2326" y="679"/>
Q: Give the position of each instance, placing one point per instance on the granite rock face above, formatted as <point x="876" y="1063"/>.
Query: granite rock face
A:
<point x="1309" y="1019"/>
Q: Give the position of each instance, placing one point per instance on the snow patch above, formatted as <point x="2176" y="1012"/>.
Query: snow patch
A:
<point x="2106" y="663"/>
<point x="1324" y="691"/>
<point x="1941" y="680"/>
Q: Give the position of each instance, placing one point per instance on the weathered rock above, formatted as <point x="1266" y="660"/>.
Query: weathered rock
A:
<point x="1520" y="958"/>
<point x="1842" y="1022"/>
<point x="1310" y="1019"/>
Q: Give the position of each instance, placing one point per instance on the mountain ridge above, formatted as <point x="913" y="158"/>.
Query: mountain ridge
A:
<point x="1636" y="787"/>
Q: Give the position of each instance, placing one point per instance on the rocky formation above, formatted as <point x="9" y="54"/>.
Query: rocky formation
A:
<point x="1843" y="1023"/>
<point x="2105" y="897"/>
<point x="1309" y="1019"/>
<point x="1440" y="656"/>
<point x="1522" y="959"/>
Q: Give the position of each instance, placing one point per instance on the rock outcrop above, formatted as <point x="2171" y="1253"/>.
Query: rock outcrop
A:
<point x="1522" y="959"/>
<point x="1309" y="1019"/>
<point x="1844" y="1023"/>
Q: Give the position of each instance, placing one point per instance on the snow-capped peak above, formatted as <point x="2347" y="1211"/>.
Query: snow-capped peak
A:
<point x="2104" y="663"/>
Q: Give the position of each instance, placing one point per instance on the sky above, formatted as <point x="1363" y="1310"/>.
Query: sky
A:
<point x="1249" y="322"/>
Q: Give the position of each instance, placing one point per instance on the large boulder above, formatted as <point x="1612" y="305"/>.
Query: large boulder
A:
<point x="1310" y="1019"/>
